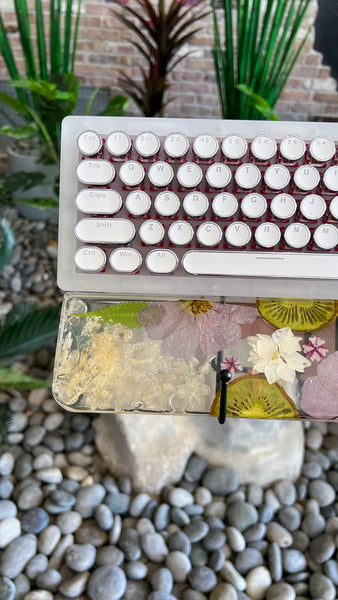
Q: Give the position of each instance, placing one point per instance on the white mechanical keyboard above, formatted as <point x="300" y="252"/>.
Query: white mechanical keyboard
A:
<point x="190" y="207"/>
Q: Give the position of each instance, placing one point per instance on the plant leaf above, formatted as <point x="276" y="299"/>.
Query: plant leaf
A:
<point x="33" y="329"/>
<point x="20" y="133"/>
<point x="258" y="102"/>
<point x="124" y="313"/>
<point x="8" y="245"/>
<point x="5" y="422"/>
<point x="116" y="107"/>
<point x="13" y="379"/>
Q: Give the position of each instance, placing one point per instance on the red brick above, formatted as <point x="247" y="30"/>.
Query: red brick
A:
<point x="327" y="98"/>
<point x="296" y="95"/>
<point x="315" y="58"/>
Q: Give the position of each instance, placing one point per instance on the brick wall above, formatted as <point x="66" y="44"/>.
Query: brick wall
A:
<point x="104" y="48"/>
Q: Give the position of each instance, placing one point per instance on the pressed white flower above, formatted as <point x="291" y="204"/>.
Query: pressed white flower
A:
<point x="277" y="355"/>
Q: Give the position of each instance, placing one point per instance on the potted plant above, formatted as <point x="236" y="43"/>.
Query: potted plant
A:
<point x="48" y="93"/>
<point x="161" y="31"/>
<point x="256" y="46"/>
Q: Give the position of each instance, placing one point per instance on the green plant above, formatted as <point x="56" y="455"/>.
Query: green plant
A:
<point x="160" y="33"/>
<point x="25" y="328"/>
<point x="50" y="89"/>
<point x="49" y="92"/>
<point x="256" y="53"/>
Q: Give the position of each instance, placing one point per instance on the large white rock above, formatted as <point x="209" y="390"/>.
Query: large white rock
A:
<point x="153" y="450"/>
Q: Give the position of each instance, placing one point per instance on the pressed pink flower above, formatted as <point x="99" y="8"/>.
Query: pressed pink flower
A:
<point x="319" y="393"/>
<point x="315" y="349"/>
<point x="231" y="364"/>
<point x="189" y="324"/>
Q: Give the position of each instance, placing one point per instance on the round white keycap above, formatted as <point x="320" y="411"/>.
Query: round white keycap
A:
<point x="218" y="175"/>
<point x="176" y="145"/>
<point x="209" y="234"/>
<point x="189" y="174"/>
<point x="334" y="207"/>
<point x="306" y="178"/>
<point x="138" y="203"/>
<point x="180" y="233"/>
<point x="277" y="177"/>
<point x="160" y="173"/>
<point x="91" y="259"/>
<point x="292" y="148"/>
<point x="147" y="144"/>
<point x="98" y="201"/>
<point x="238" y="234"/>
<point x="263" y="147"/>
<point x="118" y="143"/>
<point x="253" y="206"/>
<point x="205" y="146"/>
<point x="89" y="143"/>
<point x="322" y="149"/>
<point x="234" y="147"/>
<point x="330" y="178"/>
<point x="267" y="235"/>
<point x="195" y="204"/>
<point x="161" y="261"/>
<point x="151" y="232"/>
<point x="224" y="205"/>
<point x="125" y="260"/>
<point x="326" y="236"/>
<point x="247" y="176"/>
<point x="283" y="206"/>
<point x="297" y="235"/>
<point x="166" y="204"/>
<point x="313" y="207"/>
<point x="131" y="173"/>
<point x="95" y="172"/>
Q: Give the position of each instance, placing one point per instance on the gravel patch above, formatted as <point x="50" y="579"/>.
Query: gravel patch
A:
<point x="70" y="529"/>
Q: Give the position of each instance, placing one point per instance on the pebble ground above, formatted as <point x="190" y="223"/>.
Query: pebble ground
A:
<point x="70" y="529"/>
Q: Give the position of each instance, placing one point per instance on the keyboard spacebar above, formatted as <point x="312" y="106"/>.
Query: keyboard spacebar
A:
<point x="255" y="264"/>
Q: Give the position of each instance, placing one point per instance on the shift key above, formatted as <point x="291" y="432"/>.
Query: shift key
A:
<point x="105" y="231"/>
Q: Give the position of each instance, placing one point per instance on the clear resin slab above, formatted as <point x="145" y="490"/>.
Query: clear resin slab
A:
<point x="164" y="357"/>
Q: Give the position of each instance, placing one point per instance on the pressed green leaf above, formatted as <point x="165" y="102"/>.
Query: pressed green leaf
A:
<point x="8" y="245"/>
<point x="10" y="379"/>
<point x="124" y="313"/>
<point x="36" y="327"/>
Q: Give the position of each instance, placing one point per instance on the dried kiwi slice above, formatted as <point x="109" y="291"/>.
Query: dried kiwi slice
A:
<point x="252" y="397"/>
<point x="301" y="315"/>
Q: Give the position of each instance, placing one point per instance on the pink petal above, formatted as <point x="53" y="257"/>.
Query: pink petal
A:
<point x="317" y="401"/>
<point x="175" y="312"/>
<point x="236" y="314"/>
<point x="328" y="373"/>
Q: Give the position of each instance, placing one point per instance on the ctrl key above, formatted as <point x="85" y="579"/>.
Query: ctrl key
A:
<point x="90" y="259"/>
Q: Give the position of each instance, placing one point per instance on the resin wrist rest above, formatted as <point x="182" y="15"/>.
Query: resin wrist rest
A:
<point x="164" y="357"/>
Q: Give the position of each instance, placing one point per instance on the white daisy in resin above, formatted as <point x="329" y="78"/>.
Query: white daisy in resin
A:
<point x="277" y="355"/>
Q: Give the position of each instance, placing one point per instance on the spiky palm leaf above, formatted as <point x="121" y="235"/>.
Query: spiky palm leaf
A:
<point x="27" y="328"/>
<point x="257" y="52"/>
<point x="160" y="33"/>
<point x="5" y="422"/>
